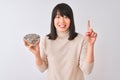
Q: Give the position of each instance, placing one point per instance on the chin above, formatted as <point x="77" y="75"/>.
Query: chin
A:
<point x="62" y="30"/>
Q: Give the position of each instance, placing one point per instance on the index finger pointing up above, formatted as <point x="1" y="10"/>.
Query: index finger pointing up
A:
<point x="88" y="26"/>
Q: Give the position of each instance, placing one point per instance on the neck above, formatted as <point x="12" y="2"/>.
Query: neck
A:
<point x="64" y="34"/>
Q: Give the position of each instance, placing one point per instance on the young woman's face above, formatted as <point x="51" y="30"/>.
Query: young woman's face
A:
<point x="62" y="23"/>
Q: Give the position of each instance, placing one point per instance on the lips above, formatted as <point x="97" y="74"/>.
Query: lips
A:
<point x="62" y="26"/>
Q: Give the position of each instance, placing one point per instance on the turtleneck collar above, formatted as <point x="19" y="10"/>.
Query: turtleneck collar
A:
<point x="64" y="34"/>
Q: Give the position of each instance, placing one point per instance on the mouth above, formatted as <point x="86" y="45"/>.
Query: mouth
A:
<point x="62" y="26"/>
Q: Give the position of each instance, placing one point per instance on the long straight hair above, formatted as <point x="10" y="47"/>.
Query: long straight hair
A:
<point x="63" y="9"/>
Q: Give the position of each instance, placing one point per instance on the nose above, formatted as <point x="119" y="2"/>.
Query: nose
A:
<point x="62" y="19"/>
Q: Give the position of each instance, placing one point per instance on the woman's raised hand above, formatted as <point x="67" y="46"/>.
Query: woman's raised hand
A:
<point x="90" y="34"/>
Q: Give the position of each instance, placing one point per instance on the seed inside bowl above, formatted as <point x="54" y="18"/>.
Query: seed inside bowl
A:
<point x="32" y="38"/>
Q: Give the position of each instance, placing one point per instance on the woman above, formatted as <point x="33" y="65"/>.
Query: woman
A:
<point x="66" y="55"/>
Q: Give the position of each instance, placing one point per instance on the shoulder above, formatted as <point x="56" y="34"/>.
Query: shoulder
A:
<point x="80" y="37"/>
<point x="43" y="38"/>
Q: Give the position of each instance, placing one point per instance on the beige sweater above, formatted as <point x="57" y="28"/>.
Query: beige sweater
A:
<point x="64" y="59"/>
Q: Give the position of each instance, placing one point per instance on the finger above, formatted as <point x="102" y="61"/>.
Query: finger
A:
<point x="30" y="46"/>
<point x="92" y="34"/>
<point x="25" y="43"/>
<point x="88" y="33"/>
<point x="88" y="26"/>
<point x="38" y="42"/>
<point x="91" y="30"/>
<point x="95" y="35"/>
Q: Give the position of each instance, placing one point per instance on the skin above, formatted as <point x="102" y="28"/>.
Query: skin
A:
<point x="62" y="24"/>
<point x="91" y="38"/>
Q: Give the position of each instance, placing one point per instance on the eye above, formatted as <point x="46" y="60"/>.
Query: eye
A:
<point x="65" y="16"/>
<point x="57" y="16"/>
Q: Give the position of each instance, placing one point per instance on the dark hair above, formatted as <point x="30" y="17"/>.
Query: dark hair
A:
<point x="66" y="10"/>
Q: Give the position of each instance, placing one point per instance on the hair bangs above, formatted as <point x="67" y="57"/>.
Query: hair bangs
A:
<point x="63" y="10"/>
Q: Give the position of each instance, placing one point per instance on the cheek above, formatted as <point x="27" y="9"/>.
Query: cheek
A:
<point x="55" y="22"/>
<point x="68" y="23"/>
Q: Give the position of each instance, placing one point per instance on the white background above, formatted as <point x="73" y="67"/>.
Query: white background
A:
<point x="19" y="17"/>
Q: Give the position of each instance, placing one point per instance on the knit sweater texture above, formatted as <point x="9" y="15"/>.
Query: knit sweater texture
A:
<point x="64" y="59"/>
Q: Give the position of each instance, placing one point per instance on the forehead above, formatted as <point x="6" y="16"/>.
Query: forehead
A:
<point x="60" y="13"/>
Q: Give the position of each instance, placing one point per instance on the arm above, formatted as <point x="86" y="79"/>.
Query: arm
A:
<point x="91" y="38"/>
<point x="90" y="54"/>
<point x="40" y="57"/>
<point x="86" y="58"/>
<point x="87" y="54"/>
<point x="41" y="62"/>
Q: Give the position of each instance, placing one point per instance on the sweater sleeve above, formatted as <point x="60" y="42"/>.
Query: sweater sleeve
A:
<point x="85" y="66"/>
<point x="44" y="64"/>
